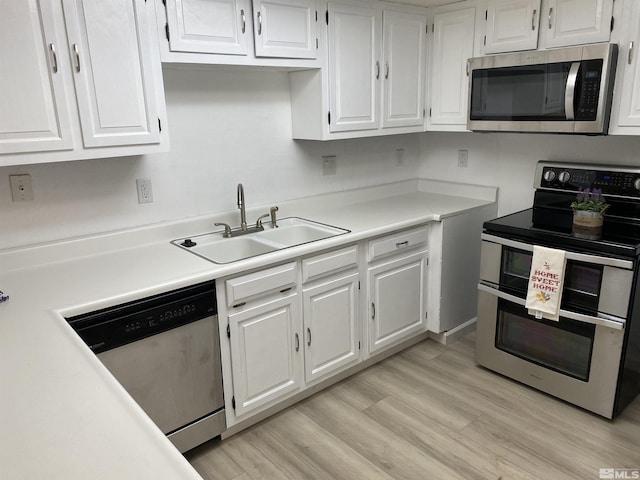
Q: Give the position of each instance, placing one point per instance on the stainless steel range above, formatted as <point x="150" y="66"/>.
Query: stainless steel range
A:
<point x="591" y="356"/>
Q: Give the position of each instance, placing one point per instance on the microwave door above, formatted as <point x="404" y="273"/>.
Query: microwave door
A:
<point x="523" y="97"/>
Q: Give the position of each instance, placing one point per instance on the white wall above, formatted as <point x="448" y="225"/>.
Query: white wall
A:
<point x="226" y="126"/>
<point x="508" y="161"/>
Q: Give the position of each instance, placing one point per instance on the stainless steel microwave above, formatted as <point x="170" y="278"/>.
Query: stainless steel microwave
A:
<point x="565" y="90"/>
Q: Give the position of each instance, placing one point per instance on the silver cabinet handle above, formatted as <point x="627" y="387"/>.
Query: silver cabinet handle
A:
<point x="244" y="21"/>
<point x="308" y="337"/>
<point x="630" y="56"/>
<point x="386" y="70"/>
<point x="550" y="17"/>
<point x="77" y="55"/>
<point x="467" y="67"/>
<point x="297" y="343"/>
<point x="259" y="23"/>
<point x="373" y="311"/>
<point x="54" y="58"/>
<point x="533" y="20"/>
<point x="377" y="70"/>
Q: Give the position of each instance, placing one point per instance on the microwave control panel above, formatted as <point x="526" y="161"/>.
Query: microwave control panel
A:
<point x="589" y="88"/>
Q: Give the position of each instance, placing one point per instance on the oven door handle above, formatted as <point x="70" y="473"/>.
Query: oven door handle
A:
<point x="578" y="257"/>
<point x="615" y="323"/>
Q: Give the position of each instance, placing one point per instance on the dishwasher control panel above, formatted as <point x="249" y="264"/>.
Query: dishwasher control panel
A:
<point x="115" y="326"/>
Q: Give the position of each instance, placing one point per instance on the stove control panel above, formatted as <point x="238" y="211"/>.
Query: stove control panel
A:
<point x="613" y="181"/>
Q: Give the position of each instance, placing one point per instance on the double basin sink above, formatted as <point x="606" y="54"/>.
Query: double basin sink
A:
<point x="290" y="232"/>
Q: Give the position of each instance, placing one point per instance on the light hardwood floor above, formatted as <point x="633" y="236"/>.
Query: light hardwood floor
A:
<point x="427" y="413"/>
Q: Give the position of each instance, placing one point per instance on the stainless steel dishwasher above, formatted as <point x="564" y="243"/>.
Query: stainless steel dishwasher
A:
<point x="165" y="351"/>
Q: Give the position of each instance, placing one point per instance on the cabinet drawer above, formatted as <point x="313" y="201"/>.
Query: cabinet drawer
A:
<point x="320" y="265"/>
<point x="260" y="283"/>
<point x="397" y="242"/>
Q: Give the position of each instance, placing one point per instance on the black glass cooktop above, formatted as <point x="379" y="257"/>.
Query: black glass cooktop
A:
<point x="619" y="239"/>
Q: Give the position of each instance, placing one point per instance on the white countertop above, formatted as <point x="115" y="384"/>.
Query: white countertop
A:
<point x="63" y="414"/>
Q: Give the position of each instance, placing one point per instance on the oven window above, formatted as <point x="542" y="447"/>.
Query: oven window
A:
<point x="563" y="346"/>
<point x="581" y="280"/>
<point x="516" y="266"/>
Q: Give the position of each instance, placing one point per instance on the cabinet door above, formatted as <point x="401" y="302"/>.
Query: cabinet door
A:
<point x="33" y="105"/>
<point x="266" y="360"/>
<point x="111" y="61"/>
<point x="452" y="47"/>
<point x="354" y="67"/>
<point x="285" y="28"/>
<point x="330" y="319"/>
<point x="512" y="25"/>
<point x="404" y="41"/>
<point x="208" y="26"/>
<point x="574" y="22"/>
<point x="396" y="301"/>
<point x="628" y="99"/>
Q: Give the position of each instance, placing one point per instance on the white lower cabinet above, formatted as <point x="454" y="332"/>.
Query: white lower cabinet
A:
<point x="396" y="288"/>
<point x="265" y="352"/>
<point x="330" y="310"/>
<point x="287" y="328"/>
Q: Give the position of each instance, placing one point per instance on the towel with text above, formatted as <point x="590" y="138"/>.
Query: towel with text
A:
<point x="546" y="280"/>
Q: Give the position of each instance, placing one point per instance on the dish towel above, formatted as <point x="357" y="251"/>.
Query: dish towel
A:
<point x="545" y="283"/>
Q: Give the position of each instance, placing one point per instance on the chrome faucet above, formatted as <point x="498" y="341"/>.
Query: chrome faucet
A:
<point x="241" y="206"/>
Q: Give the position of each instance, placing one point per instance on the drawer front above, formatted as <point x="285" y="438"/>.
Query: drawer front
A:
<point x="397" y="242"/>
<point x="320" y="265"/>
<point x="259" y="283"/>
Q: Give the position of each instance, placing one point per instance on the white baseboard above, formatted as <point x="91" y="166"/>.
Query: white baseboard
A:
<point x="452" y="335"/>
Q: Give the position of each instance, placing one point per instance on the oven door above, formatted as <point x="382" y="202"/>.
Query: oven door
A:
<point x="576" y="359"/>
<point x="593" y="285"/>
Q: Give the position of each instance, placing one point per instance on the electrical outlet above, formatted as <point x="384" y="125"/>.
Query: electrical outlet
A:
<point x="329" y="164"/>
<point x="145" y="193"/>
<point x="21" y="189"/>
<point x="463" y="158"/>
<point x="399" y="157"/>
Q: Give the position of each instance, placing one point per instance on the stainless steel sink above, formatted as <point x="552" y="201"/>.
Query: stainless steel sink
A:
<point x="290" y="232"/>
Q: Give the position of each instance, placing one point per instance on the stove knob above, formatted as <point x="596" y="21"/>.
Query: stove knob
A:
<point x="549" y="176"/>
<point x="636" y="183"/>
<point x="564" y="177"/>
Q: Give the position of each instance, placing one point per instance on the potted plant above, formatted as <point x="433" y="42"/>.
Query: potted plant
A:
<point x="588" y="213"/>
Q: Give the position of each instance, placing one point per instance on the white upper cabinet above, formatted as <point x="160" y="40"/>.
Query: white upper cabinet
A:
<point x="208" y="26"/>
<point x="512" y="25"/>
<point x="280" y="33"/>
<point x="33" y="105"/>
<point x="625" y="115"/>
<point x="404" y="41"/>
<point x="576" y="22"/>
<point x="116" y="99"/>
<point x="33" y="100"/>
<point x="373" y="80"/>
<point x="354" y="67"/>
<point x="85" y="81"/>
<point x="453" y="45"/>
<point x="285" y="28"/>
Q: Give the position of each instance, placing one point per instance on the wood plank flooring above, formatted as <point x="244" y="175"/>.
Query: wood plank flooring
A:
<point x="427" y="413"/>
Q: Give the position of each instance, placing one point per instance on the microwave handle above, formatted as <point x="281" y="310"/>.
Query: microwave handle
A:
<point x="608" y="321"/>
<point x="570" y="90"/>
